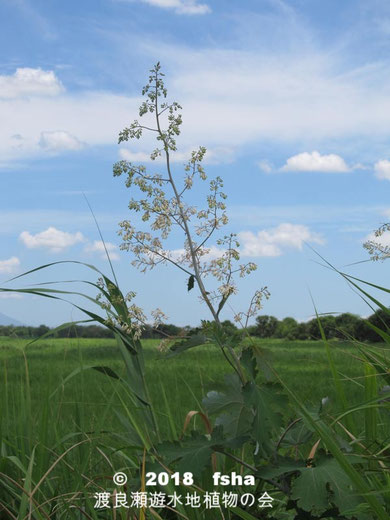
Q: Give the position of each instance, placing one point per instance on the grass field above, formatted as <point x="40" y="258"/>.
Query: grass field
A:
<point x="65" y="428"/>
<point x="178" y="383"/>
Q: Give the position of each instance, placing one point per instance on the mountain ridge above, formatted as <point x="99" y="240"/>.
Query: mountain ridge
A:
<point x="7" y="320"/>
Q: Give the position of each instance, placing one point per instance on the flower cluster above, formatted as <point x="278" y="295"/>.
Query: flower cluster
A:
<point x="163" y="206"/>
<point x="256" y="304"/>
<point x="376" y="249"/>
<point x="133" y="320"/>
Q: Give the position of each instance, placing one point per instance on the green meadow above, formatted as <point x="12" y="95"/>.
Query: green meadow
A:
<point x="59" y="370"/>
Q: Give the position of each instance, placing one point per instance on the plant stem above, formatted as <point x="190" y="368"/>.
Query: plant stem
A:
<point x="195" y="263"/>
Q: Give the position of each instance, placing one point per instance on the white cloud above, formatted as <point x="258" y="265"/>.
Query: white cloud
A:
<point x="383" y="240"/>
<point x="10" y="265"/>
<point x="190" y="7"/>
<point x="216" y="155"/>
<point x="251" y="95"/>
<point x="98" y="247"/>
<point x="128" y="155"/>
<point x="231" y="99"/>
<point x="52" y="239"/>
<point x="10" y="296"/>
<point x="29" y="82"/>
<point x="59" y="140"/>
<point x="315" y="162"/>
<point x="273" y="241"/>
<point x="265" y="166"/>
<point x="360" y="166"/>
<point x="94" y="117"/>
<point x="382" y="169"/>
<point x="213" y="252"/>
<point x="219" y="155"/>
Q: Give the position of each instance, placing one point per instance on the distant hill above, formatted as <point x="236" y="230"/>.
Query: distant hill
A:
<point x="6" y="320"/>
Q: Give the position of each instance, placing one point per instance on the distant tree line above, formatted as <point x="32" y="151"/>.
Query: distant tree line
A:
<point x="73" y="331"/>
<point x="343" y="326"/>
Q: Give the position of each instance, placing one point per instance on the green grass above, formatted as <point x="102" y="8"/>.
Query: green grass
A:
<point x="183" y="379"/>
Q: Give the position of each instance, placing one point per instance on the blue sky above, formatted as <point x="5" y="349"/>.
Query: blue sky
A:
<point x="291" y="99"/>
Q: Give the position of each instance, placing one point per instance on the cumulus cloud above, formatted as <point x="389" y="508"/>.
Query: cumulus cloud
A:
<point x="315" y="162"/>
<point x="10" y="265"/>
<point x="382" y="169"/>
<point x="273" y="241"/>
<point x="59" y="140"/>
<point x="26" y="82"/>
<point x="98" y="247"/>
<point x="52" y="239"/>
<point x="189" y="7"/>
<point x="383" y="240"/>
<point x="267" y="242"/>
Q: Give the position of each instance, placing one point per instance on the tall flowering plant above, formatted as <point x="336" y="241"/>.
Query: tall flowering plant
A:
<point x="163" y="205"/>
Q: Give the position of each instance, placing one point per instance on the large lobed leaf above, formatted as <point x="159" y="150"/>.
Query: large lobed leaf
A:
<point x="254" y="409"/>
<point x="236" y="415"/>
<point x="320" y="487"/>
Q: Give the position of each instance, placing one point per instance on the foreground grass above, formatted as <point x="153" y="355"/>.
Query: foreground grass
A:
<point x="66" y="428"/>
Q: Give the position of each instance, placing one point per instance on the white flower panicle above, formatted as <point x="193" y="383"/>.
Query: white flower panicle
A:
<point x="135" y="320"/>
<point x="377" y="249"/>
<point x="158" y="317"/>
<point x="256" y="304"/>
<point x="163" y="207"/>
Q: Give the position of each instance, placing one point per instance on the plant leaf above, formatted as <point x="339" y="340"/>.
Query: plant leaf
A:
<point x="319" y="487"/>
<point x="267" y="402"/>
<point x="193" y="341"/>
<point x="237" y="417"/>
<point x="191" y="282"/>
<point x="193" y="453"/>
<point x="107" y="371"/>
